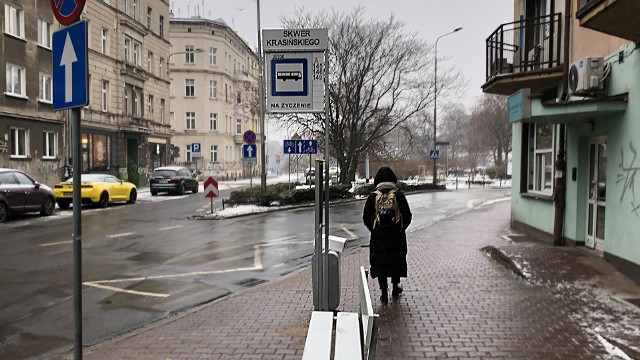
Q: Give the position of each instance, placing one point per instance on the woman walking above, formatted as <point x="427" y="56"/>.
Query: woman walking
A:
<point x="387" y="215"/>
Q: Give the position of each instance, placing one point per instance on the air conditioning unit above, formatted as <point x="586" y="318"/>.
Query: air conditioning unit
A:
<point x="586" y="77"/>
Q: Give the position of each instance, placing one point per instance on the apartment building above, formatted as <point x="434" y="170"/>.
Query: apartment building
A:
<point x="214" y="96"/>
<point x="126" y="129"/>
<point x="571" y="71"/>
<point x="31" y="133"/>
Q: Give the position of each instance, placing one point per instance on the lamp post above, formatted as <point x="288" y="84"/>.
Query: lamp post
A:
<point x="435" y="101"/>
<point x="263" y="155"/>
<point x="196" y="51"/>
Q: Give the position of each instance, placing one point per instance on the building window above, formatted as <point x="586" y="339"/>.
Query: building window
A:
<point x="149" y="17"/>
<point x="49" y="144"/>
<point x="213" y="89"/>
<point x="136" y="103"/>
<point x="540" y="157"/>
<point x="162" y="111"/>
<point x="190" y="117"/>
<point x="125" y="108"/>
<point x="127" y="49"/>
<point x="189" y="54"/>
<point x="104" y="41"/>
<point x="190" y="88"/>
<point x="137" y="48"/>
<point x="213" y="56"/>
<point x="13" y="21"/>
<point x="226" y="93"/>
<point x="213" y="121"/>
<point x="161" y="21"/>
<point x="150" y="62"/>
<point x="238" y="126"/>
<point x="134" y="9"/>
<point x="105" y="95"/>
<point x="96" y="152"/>
<point x="15" y="80"/>
<point x="45" y="94"/>
<point x="238" y="97"/>
<point x="150" y="107"/>
<point x="187" y="154"/>
<point x="161" y="68"/>
<point x="19" y="142"/>
<point x="214" y="153"/>
<point x="44" y="34"/>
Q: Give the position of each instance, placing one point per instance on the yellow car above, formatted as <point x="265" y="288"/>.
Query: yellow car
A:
<point x="97" y="189"/>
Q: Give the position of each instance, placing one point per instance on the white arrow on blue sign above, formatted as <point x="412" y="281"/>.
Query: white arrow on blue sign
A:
<point x="309" y="146"/>
<point x="249" y="150"/>
<point x="70" y="67"/>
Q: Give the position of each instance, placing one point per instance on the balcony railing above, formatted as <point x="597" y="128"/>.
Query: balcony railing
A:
<point x="525" y="46"/>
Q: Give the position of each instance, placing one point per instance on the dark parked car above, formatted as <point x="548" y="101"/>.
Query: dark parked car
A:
<point x="21" y="194"/>
<point x="172" y="179"/>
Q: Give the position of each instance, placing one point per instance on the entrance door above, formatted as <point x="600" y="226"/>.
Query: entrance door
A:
<point x="132" y="161"/>
<point x="597" y="194"/>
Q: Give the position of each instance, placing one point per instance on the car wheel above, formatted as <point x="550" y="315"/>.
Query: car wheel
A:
<point x="181" y="192"/>
<point x="48" y="207"/>
<point x="154" y="193"/>
<point x="195" y="189"/>
<point x="64" y="204"/>
<point x="133" y="196"/>
<point x="3" y="212"/>
<point x="104" y="200"/>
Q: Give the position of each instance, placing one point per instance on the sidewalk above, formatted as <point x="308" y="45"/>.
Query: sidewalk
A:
<point x="458" y="304"/>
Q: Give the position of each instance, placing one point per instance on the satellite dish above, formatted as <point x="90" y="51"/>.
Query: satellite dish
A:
<point x="573" y="78"/>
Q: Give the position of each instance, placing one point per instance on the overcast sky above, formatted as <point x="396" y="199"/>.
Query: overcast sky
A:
<point x="428" y="18"/>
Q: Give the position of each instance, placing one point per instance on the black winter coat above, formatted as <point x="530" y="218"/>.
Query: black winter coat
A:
<point x="388" y="245"/>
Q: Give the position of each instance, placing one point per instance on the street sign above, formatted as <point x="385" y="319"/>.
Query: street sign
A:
<point x="70" y="64"/>
<point x="249" y="137"/>
<point x="250" y="161"/>
<point x="67" y="11"/>
<point x="309" y="146"/>
<point x="434" y="154"/>
<point x="249" y="151"/>
<point x="295" y="82"/>
<point x="301" y="146"/>
<point x="289" y="147"/>
<point x="442" y="143"/>
<point x="295" y="40"/>
<point x="195" y="148"/>
<point x="210" y="187"/>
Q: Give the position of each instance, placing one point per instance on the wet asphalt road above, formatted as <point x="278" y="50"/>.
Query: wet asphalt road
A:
<point x="143" y="262"/>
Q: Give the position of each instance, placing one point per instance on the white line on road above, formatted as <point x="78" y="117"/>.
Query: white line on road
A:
<point x="155" y="277"/>
<point x="352" y="235"/>
<point x="133" y="292"/>
<point x="170" y="227"/>
<point x="115" y="236"/>
<point x="57" y="243"/>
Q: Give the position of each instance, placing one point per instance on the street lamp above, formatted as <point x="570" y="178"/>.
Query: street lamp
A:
<point x="196" y="51"/>
<point x="435" y="102"/>
<point x="263" y="155"/>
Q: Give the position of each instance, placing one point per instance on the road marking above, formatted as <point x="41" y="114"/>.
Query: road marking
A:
<point x="115" y="236"/>
<point x="352" y="235"/>
<point x="57" y="243"/>
<point x="170" y="227"/>
<point x="133" y="292"/>
<point x="257" y="265"/>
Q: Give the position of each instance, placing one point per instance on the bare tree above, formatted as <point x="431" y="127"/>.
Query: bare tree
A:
<point x="492" y="117"/>
<point x="456" y="129"/>
<point x="380" y="80"/>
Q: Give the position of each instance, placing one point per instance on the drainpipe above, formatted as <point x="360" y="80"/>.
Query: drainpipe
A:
<point x="560" y="165"/>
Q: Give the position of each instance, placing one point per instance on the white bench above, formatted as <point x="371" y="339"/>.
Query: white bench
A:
<point x="359" y="328"/>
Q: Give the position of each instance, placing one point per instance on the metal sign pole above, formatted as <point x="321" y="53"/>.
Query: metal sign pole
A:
<point x="318" y="289"/>
<point x="325" y="257"/>
<point x="77" y="230"/>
